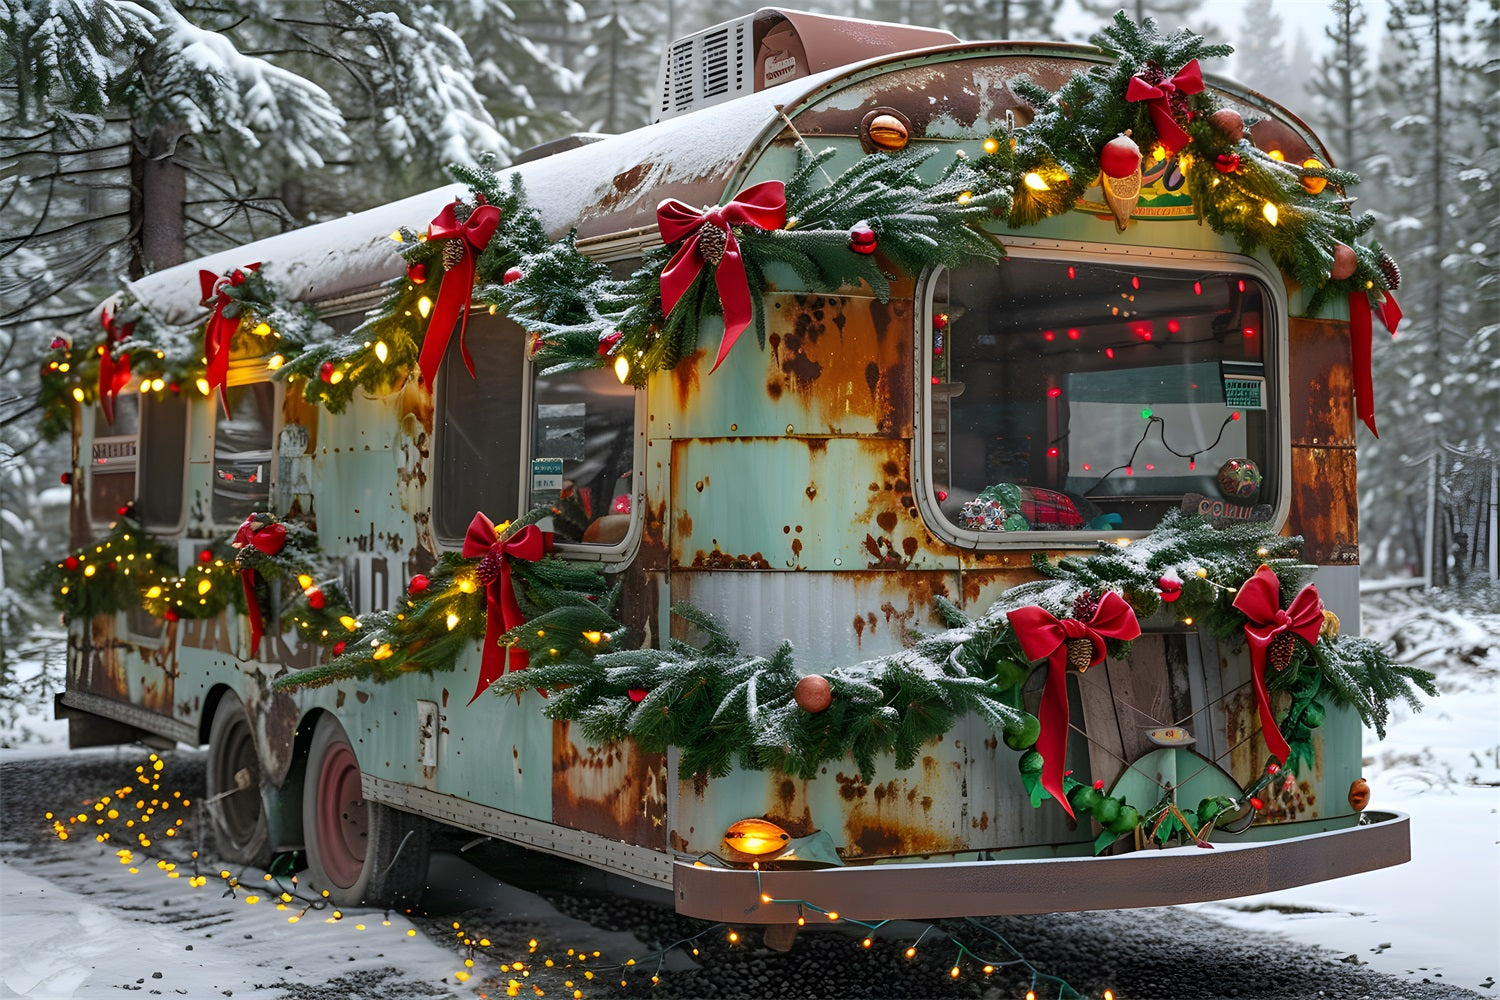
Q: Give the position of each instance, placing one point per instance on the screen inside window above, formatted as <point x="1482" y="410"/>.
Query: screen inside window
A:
<point x="582" y="451"/>
<point x="1077" y="395"/>
<point x="242" y="450"/>
<point x="163" y="456"/>
<point x="112" y="462"/>
<point x="478" y="428"/>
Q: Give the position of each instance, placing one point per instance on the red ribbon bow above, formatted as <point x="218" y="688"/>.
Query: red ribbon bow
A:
<point x="1259" y="600"/>
<point x="220" y="329"/>
<point x="452" y="305"/>
<point x="503" y="613"/>
<point x="1042" y="635"/>
<point x="1361" y="335"/>
<point x="114" y="373"/>
<point x="762" y="206"/>
<point x="269" y="538"/>
<point x="1158" y="98"/>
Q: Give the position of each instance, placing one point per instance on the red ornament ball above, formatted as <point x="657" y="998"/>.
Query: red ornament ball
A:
<point x="1256" y="802"/>
<point x="1229" y="122"/>
<point x="123" y="509"/>
<point x="608" y="342"/>
<point x="66" y="478"/>
<point x="1170" y="589"/>
<point x="942" y="495"/>
<point x="813" y="693"/>
<point x="1120" y="156"/>
<point x="70" y="563"/>
<point x="862" y="238"/>
<point x="1344" y="262"/>
<point x="170" y="615"/>
<point x="315" y="599"/>
<point x="512" y="274"/>
<point x="637" y="694"/>
<point x="338" y="648"/>
<point x="417" y="273"/>
<point x="237" y="278"/>
<point x="326" y="370"/>
<point x="418" y="584"/>
<point x="1227" y="163"/>
<point x="58" y="343"/>
<point x="206" y="556"/>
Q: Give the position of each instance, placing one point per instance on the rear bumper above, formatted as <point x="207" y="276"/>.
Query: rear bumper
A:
<point x="991" y="888"/>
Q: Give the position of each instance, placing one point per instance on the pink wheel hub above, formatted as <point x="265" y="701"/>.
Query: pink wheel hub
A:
<point x="343" y="820"/>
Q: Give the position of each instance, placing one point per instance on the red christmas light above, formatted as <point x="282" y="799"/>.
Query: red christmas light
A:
<point x="418" y="584"/>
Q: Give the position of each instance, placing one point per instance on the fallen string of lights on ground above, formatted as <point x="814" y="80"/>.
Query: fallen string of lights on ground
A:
<point x="135" y="811"/>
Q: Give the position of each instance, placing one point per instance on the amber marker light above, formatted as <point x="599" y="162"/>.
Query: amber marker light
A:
<point x="755" y="836"/>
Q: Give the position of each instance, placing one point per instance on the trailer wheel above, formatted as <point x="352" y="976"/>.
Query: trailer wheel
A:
<point x="234" y="781"/>
<point x="361" y="852"/>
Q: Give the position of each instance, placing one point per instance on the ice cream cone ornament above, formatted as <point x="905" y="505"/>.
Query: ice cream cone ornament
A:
<point x="1120" y="176"/>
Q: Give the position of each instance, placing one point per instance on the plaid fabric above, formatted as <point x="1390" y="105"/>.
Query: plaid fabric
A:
<point x="1046" y="509"/>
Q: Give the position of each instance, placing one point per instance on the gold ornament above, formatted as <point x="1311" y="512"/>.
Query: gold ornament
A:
<point x="1359" y="794"/>
<point x="1330" y="627"/>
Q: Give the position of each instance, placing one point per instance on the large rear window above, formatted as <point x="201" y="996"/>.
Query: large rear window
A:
<point x="1090" y="395"/>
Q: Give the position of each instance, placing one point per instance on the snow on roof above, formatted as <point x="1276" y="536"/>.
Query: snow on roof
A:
<point x="615" y="184"/>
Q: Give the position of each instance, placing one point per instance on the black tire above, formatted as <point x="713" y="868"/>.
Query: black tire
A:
<point x="361" y="852"/>
<point x="235" y="786"/>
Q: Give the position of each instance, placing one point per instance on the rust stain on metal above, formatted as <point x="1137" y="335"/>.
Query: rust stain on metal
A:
<point x="716" y="559"/>
<point x="1325" y="504"/>
<point x="851" y="786"/>
<point x="685" y="378"/>
<point x="361" y="696"/>
<point x="278" y="717"/>
<point x="1323" y="416"/>
<point x="615" y="791"/>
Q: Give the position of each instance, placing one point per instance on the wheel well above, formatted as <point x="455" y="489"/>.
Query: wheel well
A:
<point x="210" y="707"/>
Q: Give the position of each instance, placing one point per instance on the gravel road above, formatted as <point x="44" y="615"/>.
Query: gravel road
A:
<point x="498" y="894"/>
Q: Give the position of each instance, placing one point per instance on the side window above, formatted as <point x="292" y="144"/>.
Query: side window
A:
<point x="242" y="450"/>
<point x="112" y="473"/>
<point x="478" y="428"/>
<point x="582" y="453"/>
<point x="163" y="457"/>
<point x="1076" y="394"/>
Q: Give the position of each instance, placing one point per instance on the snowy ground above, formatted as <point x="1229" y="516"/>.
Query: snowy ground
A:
<point x="73" y="929"/>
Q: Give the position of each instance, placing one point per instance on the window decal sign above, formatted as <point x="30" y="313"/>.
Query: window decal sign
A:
<point x="546" y="475"/>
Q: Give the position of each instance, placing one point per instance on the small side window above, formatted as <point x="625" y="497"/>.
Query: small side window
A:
<point x="163" y="457"/>
<point x="242" y="450"/>
<point x="112" y="472"/>
<point x="582" y="454"/>
<point x="1088" y="394"/>
<point x="477" y="452"/>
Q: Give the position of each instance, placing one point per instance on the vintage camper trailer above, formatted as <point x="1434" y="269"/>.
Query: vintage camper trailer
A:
<point x="910" y="517"/>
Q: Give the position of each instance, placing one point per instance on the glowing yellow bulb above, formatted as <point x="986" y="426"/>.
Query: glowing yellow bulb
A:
<point x="90" y="570"/>
<point x="1201" y="573"/>
<point x="1276" y="154"/>
<point x="466" y="585"/>
<point x="988" y="969"/>
<point x="452" y="621"/>
<point x="594" y="637"/>
<point x="64" y="367"/>
<point x="764" y="898"/>
<point x="833" y="915"/>
<point x="304" y="581"/>
<point x="622" y="368"/>
<point x="1034" y="181"/>
<point x="424" y="306"/>
<point x="1158" y="153"/>
<point x="203" y="386"/>
<point x="348" y="622"/>
<point x="262" y="329"/>
<point x="1187" y="621"/>
<point x="867" y="942"/>
<point x="991" y="145"/>
<point x="965" y="197"/>
<point x="381" y="351"/>
<point x="204" y="586"/>
<point x="911" y="952"/>
<point x="734" y="937"/>
<point x="385" y="652"/>
<point x="1269" y="211"/>
<point x="157" y="385"/>
<point x="78" y="394"/>
<point x="397" y="236"/>
<point x="275" y="361"/>
<point x="954" y="972"/>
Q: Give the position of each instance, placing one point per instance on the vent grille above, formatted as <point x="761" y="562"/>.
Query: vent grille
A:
<point x="705" y="68"/>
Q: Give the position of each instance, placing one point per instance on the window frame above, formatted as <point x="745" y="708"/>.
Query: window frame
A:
<point x="187" y="451"/>
<point x="116" y="466"/>
<point x="1275" y="335"/>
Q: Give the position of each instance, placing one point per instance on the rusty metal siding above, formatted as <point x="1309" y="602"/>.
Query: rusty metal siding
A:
<point x="1325" y="497"/>
<point x="618" y="791"/>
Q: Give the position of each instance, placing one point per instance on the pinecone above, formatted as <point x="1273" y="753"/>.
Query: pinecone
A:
<point x="453" y="254"/>
<point x="488" y="570"/>
<point x="1080" y="654"/>
<point x="1085" y="606"/>
<point x="1390" y="270"/>
<point x="461" y="211"/>
<point x="712" y="242"/>
<point x="1279" y="653"/>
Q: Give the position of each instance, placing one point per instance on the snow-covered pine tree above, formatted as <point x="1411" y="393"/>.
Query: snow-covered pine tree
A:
<point x="619" y="64"/>
<point x="974" y="20"/>
<point x="1341" y="92"/>
<point x="1260" y="54"/>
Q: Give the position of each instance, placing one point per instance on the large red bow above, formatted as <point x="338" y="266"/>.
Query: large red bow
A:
<point x="1361" y="334"/>
<point x="269" y="537"/>
<point x="1259" y="600"/>
<point x="114" y="373"/>
<point x="762" y="206"/>
<point x="452" y="304"/>
<point x="1158" y="97"/>
<point x="221" y="329"/>
<point x="1041" y="635"/>
<point x="503" y="613"/>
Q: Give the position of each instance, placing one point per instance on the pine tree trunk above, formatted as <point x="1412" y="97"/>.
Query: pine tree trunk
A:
<point x="158" y="195"/>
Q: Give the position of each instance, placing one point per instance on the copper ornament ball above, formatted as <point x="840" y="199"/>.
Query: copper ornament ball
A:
<point x="813" y="693"/>
<point x="1230" y="122"/>
<point x="1344" y="262"/>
